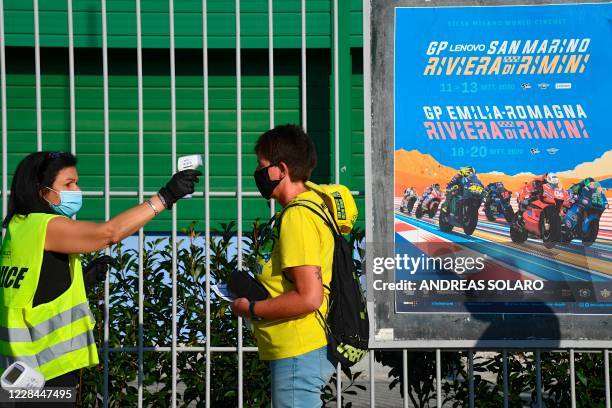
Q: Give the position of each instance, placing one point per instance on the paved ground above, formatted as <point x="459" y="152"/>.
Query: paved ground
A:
<point x="384" y="398"/>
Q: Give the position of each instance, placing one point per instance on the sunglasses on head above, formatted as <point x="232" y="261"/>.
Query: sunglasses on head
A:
<point x="55" y="155"/>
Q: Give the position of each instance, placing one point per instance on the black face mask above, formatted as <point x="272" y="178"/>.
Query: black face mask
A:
<point x="263" y="182"/>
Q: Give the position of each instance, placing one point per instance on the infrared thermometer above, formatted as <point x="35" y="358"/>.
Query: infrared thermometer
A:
<point x="21" y="376"/>
<point x="189" y="163"/>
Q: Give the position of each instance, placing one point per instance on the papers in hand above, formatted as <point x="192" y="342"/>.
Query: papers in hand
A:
<point x="223" y="292"/>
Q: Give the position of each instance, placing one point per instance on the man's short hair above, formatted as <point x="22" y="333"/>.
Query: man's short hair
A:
<point x="291" y="145"/>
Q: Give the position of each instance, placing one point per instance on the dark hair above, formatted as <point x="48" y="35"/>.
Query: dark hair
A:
<point x="34" y="172"/>
<point x="291" y="145"/>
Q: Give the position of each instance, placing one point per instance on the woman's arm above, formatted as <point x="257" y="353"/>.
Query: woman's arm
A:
<point x="68" y="236"/>
<point x="307" y="296"/>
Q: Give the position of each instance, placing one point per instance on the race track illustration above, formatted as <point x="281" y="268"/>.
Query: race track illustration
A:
<point x="571" y="266"/>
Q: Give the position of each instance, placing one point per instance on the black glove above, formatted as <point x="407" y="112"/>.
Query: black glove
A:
<point x="95" y="271"/>
<point x="181" y="184"/>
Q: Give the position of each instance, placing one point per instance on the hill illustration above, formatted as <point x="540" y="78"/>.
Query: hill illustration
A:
<point x="600" y="168"/>
<point x="413" y="168"/>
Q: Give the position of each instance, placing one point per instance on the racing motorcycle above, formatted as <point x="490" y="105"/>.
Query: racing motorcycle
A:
<point x="541" y="217"/>
<point x="497" y="204"/>
<point x="582" y="215"/>
<point x="463" y="212"/>
<point x="408" y="202"/>
<point x="430" y="207"/>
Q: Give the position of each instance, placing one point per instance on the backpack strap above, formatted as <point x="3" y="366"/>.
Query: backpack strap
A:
<point x="335" y="230"/>
<point x="329" y="220"/>
<point x="324" y="215"/>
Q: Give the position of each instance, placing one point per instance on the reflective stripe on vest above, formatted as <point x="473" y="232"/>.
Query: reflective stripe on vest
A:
<point x="51" y="353"/>
<point x="31" y="334"/>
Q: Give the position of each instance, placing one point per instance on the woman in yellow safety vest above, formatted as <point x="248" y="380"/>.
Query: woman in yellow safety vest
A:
<point x="45" y="321"/>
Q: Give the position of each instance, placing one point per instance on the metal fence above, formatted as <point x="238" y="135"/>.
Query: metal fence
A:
<point x="207" y="194"/>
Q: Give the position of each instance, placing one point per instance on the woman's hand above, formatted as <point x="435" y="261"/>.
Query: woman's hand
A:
<point x="181" y="184"/>
<point x="95" y="271"/>
<point x="240" y="307"/>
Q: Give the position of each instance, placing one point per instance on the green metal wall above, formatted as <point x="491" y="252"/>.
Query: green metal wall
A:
<point x="21" y="118"/>
<point x="188" y="23"/>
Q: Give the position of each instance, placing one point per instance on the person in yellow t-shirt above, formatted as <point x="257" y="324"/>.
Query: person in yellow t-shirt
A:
<point x="295" y="265"/>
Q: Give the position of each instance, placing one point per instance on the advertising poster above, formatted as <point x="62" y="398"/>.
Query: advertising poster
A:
<point x="502" y="161"/>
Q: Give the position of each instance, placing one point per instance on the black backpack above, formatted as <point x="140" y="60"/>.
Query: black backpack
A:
<point x="346" y="324"/>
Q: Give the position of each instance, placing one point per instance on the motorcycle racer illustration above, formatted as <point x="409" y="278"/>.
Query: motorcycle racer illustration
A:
<point x="585" y="205"/>
<point x="497" y="202"/>
<point x="430" y="201"/>
<point x="454" y="188"/>
<point x="533" y="191"/>
<point x="408" y="201"/>
<point x="463" y="199"/>
<point x="540" y="211"/>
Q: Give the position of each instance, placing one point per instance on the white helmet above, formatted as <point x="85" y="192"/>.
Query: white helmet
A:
<point x="551" y="178"/>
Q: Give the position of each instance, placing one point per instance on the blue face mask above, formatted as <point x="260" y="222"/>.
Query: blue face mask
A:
<point x="70" y="202"/>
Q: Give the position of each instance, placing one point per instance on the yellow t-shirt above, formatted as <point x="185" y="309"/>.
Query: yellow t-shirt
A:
<point x="304" y="240"/>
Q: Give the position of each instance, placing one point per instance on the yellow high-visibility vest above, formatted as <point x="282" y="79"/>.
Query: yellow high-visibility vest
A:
<point x="55" y="337"/>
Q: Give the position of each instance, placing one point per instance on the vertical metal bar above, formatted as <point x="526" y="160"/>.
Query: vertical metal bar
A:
<point x="345" y="92"/>
<point x="336" y="99"/>
<point x="206" y="192"/>
<point x="405" y="376"/>
<point x="339" y="386"/>
<point x="71" y="79"/>
<point x="367" y="116"/>
<point x="538" y="361"/>
<point x="439" y="378"/>
<point x="271" y="77"/>
<point x="505" y="376"/>
<point x="37" y="76"/>
<point x="606" y="357"/>
<point x="372" y="380"/>
<point x="239" y="185"/>
<point x="572" y="378"/>
<point x="271" y="63"/>
<point x="303" y="59"/>
<point x="239" y="131"/>
<point x="174" y="209"/>
<point x="140" y="199"/>
<point x="367" y="143"/>
<point x="106" y="194"/>
<point x="336" y="149"/>
<point x="471" y="377"/>
<point x="4" y="124"/>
